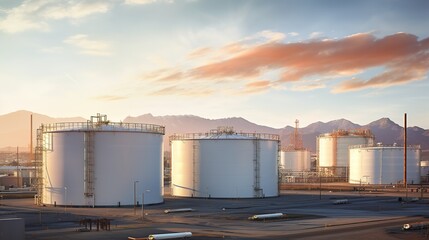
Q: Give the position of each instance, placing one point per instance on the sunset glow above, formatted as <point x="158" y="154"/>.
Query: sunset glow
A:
<point x="270" y="62"/>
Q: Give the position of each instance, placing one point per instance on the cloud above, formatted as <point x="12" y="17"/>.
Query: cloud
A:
<point x="110" y="98"/>
<point x="88" y="46"/>
<point x="238" y="67"/>
<point x="257" y="87"/>
<point x="139" y="2"/>
<point x="144" y="2"/>
<point x="404" y="57"/>
<point x="308" y="87"/>
<point x="36" y="14"/>
<point x="20" y="18"/>
<point x="75" y="10"/>
<point x="176" y="90"/>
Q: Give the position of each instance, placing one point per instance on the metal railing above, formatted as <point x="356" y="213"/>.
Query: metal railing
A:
<point x="103" y="126"/>
<point x="188" y="136"/>
<point x="415" y="147"/>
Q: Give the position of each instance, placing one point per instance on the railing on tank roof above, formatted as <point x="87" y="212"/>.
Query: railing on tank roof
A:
<point x="264" y="136"/>
<point x="383" y="145"/>
<point x="104" y="126"/>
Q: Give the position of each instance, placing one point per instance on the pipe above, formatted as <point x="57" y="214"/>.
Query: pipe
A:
<point x="179" y="210"/>
<point x="341" y="201"/>
<point x="170" y="235"/>
<point x="266" y="216"/>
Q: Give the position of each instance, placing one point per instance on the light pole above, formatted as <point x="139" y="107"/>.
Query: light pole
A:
<point x="143" y="203"/>
<point x="65" y="199"/>
<point x="135" y="196"/>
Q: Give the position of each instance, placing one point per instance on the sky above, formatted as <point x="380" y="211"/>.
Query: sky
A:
<point x="270" y="62"/>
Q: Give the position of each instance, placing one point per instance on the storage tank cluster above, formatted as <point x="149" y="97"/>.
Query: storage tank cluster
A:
<point x="333" y="149"/>
<point x="99" y="163"/>
<point x="225" y="164"/>
<point x="383" y="164"/>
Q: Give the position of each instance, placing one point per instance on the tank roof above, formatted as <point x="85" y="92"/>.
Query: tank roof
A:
<point x="349" y="133"/>
<point x="224" y="133"/>
<point x="100" y="123"/>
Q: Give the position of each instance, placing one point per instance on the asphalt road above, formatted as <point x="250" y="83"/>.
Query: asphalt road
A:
<point x="365" y="216"/>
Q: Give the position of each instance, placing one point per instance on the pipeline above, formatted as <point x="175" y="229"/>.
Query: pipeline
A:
<point x="179" y="210"/>
<point x="266" y="216"/>
<point x="340" y="201"/>
<point x="170" y="235"/>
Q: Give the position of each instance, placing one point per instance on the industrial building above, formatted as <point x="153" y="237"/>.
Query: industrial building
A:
<point x="333" y="150"/>
<point x="383" y="164"/>
<point x="99" y="163"/>
<point x="225" y="164"/>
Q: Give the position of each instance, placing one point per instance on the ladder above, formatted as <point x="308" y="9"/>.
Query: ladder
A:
<point x="38" y="164"/>
<point x="89" y="163"/>
<point x="257" y="191"/>
<point x="195" y="167"/>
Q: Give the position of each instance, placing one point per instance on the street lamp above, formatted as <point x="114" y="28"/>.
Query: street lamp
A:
<point x="135" y="196"/>
<point x="65" y="199"/>
<point x="143" y="203"/>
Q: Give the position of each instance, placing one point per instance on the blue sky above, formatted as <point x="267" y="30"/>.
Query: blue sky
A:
<point x="270" y="62"/>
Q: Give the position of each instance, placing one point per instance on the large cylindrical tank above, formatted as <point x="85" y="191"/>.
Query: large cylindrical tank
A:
<point x="383" y="164"/>
<point x="102" y="163"/>
<point x="333" y="148"/>
<point x="295" y="160"/>
<point x="225" y="165"/>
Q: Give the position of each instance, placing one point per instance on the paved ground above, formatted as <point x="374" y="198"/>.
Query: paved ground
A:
<point x="367" y="215"/>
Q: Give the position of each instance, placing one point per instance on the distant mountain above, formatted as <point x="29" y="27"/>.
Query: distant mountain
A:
<point x="384" y="129"/>
<point x="15" y="128"/>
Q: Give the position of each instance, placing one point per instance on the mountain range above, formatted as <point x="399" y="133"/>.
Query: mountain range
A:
<point x="15" y="128"/>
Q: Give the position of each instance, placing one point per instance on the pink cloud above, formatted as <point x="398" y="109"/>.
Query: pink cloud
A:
<point x="346" y="56"/>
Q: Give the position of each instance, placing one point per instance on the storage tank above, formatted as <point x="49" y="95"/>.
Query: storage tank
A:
<point x="225" y="164"/>
<point x="333" y="149"/>
<point x="295" y="160"/>
<point x="99" y="163"/>
<point x="380" y="164"/>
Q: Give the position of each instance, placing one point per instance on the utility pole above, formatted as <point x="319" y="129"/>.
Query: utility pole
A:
<point x="405" y="156"/>
<point x="17" y="167"/>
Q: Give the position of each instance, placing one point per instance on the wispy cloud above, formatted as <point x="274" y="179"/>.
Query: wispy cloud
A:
<point x="110" y="98"/>
<point x="139" y="2"/>
<point x="404" y="57"/>
<point x="89" y="46"/>
<point x="75" y="10"/>
<point x="183" y="91"/>
<point x="257" y="87"/>
<point x="144" y="2"/>
<point x="36" y="14"/>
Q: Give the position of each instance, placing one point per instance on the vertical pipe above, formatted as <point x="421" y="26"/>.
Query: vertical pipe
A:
<point x="405" y="151"/>
<point x="31" y="137"/>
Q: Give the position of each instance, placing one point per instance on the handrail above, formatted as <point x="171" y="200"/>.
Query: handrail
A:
<point x="103" y="126"/>
<point x="383" y="146"/>
<point x="189" y="136"/>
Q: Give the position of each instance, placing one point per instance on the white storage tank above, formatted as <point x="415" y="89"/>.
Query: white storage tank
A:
<point x="333" y="148"/>
<point x="225" y="164"/>
<point x="424" y="168"/>
<point x="295" y="160"/>
<point x="100" y="163"/>
<point x="383" y="164"/>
